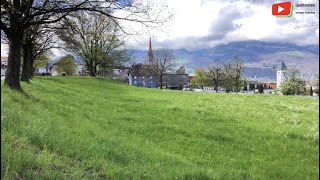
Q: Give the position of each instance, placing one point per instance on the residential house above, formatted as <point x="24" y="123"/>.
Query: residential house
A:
<point x="53" y="68"/>
<point x="271" y="85"/>
<point x="170" y="81"/>
<point x="175" y="81"/>
<point x="252" y="84"/>
<point x="39" y="71"/>
<point x="120" y="73"/>
<point x="142" y="76"/>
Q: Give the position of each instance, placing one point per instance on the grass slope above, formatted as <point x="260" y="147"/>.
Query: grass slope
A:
<point x="82" y="127"/>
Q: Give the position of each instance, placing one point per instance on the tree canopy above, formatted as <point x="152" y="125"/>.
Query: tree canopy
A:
<point x="95" y="39"/>
<point x="66" y="65"/>
<point x="18" y="15"/>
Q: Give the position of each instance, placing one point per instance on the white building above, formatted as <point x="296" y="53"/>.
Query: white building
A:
<point x="40" y="70"/>
<point x="281" y="74"/>
<point x="53" y="68"/>
<point x="120" y="72"/>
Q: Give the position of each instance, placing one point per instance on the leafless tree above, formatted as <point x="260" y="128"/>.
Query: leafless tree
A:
<point x="37" y="41"/>
<point x="19" y="15"/>
<point x="215" y="74"/>
<point x="232" y="71"/>
<point x="238" y="72"/>
<point x="227" y="76"/>
<point x="163" y="62"/>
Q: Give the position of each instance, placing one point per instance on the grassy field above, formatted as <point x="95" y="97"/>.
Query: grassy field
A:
<point x="90" y="128"/>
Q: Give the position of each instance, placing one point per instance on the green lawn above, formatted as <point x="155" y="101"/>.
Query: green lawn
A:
<point x="90" y="128"/>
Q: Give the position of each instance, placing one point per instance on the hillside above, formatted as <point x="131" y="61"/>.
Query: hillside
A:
<point x="90" y="128"/>
<point x="260" y="57"/>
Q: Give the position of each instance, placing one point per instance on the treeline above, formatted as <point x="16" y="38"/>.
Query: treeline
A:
<point x="227" y="75"/>
<point x="87" y="28"/>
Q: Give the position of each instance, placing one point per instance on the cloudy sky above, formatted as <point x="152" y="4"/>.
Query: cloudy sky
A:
<point x="207" y="23"/>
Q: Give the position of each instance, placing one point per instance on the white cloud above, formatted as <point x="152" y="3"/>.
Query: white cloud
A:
<point x="207" y="23"/>
<point x="199" y="24"/>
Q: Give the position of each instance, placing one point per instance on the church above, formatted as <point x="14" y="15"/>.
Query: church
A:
<point x="281" y="74"/>
<point x="143" y="76"/>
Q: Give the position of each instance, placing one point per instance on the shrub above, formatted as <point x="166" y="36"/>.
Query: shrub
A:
<point x="292" y="87"/>
<point x="45" y="74"/>
<point x="260" y="89"/>
<point x="66" y="65"/>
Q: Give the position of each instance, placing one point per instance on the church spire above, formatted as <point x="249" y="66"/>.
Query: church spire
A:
<point x="283" y="66"/>
<point x="150" y="54"/>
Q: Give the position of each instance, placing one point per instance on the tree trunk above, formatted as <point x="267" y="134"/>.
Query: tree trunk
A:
<point x="26" y="64"/>
<point x="95" y="68"/>
<point x="12" y="78"/>
<point x="160" y="81"/>
<point x="92" y="73"/>
<point x="91" y="68"/>
<point x="31" y="69"/>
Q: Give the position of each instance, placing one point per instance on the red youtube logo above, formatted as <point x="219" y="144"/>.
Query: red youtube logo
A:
<point x="281" y="9"/>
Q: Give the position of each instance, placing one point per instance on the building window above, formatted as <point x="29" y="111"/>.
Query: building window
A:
<point x="142" y="77"/>
<point x="135" y="77"/>
<point x="134" y="82"/>
<point x="150" y="77"/>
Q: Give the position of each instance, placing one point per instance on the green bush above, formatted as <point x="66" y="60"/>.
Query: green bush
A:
<point x="293" y="87"/>
<point x="45" y="74"/>
<point x="260" y="89"/>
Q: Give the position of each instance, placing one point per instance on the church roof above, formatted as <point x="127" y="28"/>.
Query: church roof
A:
<point x="283" y="66"/>
<point x="150" y="53"/>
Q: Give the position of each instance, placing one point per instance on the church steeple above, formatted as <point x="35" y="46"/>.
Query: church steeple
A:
<point x="281" y="74"/>
<point x="283" y="66"/>
<point x="150" y="54"/>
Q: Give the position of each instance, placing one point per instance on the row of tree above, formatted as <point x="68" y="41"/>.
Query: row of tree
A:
<point x="29" y="26"/>
<point x="226" y="74"/>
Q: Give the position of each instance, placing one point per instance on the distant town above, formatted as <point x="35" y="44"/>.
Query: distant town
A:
<point x="142" y="74"/>
<point x="134" y="89"/>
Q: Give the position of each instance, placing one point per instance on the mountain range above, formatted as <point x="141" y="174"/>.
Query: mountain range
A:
<point x="261" y="58"/>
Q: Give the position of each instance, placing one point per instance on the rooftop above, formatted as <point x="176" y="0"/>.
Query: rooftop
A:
<point x="283" y="66"/>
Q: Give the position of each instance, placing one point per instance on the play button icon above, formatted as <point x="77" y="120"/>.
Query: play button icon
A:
<point x="282" y="9"/>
